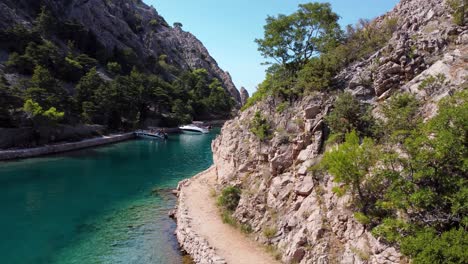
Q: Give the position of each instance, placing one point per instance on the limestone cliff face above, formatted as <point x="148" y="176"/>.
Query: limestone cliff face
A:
<point x="244" y="95"/>
<point x="311" y="223"/>
<point x="124" y="24"/>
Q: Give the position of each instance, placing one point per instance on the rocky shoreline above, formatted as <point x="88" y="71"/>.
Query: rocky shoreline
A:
<point x="65" y="147"/>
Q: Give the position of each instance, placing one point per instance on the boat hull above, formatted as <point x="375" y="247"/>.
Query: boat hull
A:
<point x="193" y="132"/>
<point x="149" y="136"/>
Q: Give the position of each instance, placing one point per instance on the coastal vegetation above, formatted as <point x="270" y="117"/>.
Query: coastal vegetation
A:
<point x="410" y="187"/>
<point x="92" y="85"/>
<point x="406" y="174"/>
<point x="308" y="48"/>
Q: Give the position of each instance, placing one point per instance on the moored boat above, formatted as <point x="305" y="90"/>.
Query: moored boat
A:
<point x="193" y="129"/>
<point x="151" y="135"/>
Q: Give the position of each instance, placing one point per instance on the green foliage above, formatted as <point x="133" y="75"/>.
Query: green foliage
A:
<point x="16" y="38"/>
<point x="414" y="195"/>
<point x="298" y="71"/>
<point x="458" y="11"/>
<point x="122" y="103"/>
<point x="364" y="39"/>
<point x="10" y="101"/>
<point x="229" y="198"/>
<point x="426" y="246"/>
<point x="432" y="83"/>
<point x="349" y="114"/>
<point x="246" y="228"/>
<point x="270" y="231"/>
<point x="317" y="74"/>
<point x="153" y="23"/>
<point x="292" y="40"/>
<point x="53" y="115"/>
<point x="32" y="108"/>
<point x="114" y="68"/>
<point x="40" y="117"/>
<point x="45" y="22"/>
<point x="227" y="218"/>
<point x="46" y="90"/>
<point x="260" y="127"/>
<point x="282" y="106"/>
<point x="362" y="218"/>
<point x="350" y="163"/>
<point x="401" y="117"/>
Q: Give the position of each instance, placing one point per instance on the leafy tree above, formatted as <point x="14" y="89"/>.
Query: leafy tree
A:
<point x="350" y="163"/>
<point x="40" y="117"/>
<point x="429" y="247"/>
<point x="44" y="23"/>
<point x="260" y="127"/>
<point x="349" y="114"/>
<point x="46" y="90"/>
<point x="114" y="68"/>
<point x="292" y="40"/>
<point x="9" y="103"/>
<point x="182" y="111"/>
<point x="401" y="116"/>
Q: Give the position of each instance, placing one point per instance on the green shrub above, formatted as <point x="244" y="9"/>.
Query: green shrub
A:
<point x="153" y="23"/>
<point x="429" y="247"/>
<point x="432" y="83"/>
<point x="229" y="198"/>
<point x="227" y="218"/>
<point x="458" y="11"/>
<point x="362" y="218"/>
<point x="260" y="127"/>
<point x="114" y="68"/>
<point x="246" y="228"/>
<point x="401" y="116"/>
<point x="270" y="231"/>
<point x="282" y="106"/>
<point x="350" y="163"/>
<point x="349" y="114"/>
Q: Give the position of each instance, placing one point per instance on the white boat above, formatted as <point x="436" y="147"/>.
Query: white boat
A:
<point x="151" y="135"/>
<point x="193" y="129"/>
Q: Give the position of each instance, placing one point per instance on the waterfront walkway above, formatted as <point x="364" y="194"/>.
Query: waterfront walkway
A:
<point x="63" y="147"/>
<point x="228" y="242"/>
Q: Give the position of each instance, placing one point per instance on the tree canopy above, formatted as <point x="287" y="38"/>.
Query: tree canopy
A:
<point x="293" y="39"/>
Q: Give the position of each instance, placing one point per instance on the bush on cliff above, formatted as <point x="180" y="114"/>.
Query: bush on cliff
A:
<point x="412" y="193"/>
<point x="229" y="198"/>
<point x="260" y="127"/>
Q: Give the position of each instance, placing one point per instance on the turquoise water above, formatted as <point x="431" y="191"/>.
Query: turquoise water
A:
<point x="102" y="205"/>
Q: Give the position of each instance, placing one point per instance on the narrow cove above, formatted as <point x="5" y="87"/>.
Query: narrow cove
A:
<point x="102" y="205"/>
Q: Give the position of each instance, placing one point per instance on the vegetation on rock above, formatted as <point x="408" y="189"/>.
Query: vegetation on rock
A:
<point x="138" y="90"/>
<point x="417" y="192"/>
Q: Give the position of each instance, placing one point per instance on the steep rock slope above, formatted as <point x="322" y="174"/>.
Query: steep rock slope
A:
<point x="124" y="24"/>
<point x="310" y="223"/>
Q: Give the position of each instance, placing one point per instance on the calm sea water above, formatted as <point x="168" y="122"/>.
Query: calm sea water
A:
<point x="102" y="205"/>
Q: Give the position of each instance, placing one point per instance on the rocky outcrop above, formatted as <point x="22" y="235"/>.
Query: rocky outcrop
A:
<point x="311" y="223"/>
<point x="244" y="94"/>
<point x="425" y="32"/>
<point x="305" y="220"/>
<point x="124" y="24"/>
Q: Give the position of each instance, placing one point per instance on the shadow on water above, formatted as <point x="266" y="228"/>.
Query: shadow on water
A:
<point x="96" y="205"/>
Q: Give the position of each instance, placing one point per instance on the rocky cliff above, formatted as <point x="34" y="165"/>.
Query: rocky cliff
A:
<point x="306" y="221"/>
<point x="123" y="24"/>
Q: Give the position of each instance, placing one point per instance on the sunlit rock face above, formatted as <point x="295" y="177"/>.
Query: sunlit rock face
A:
<point x="311" y="223"/>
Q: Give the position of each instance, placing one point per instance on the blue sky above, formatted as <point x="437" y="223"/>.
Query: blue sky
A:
<point x="228" y="27"/>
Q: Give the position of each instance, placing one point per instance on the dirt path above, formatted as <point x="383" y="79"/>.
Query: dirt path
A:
<point x="228" y="242"/>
